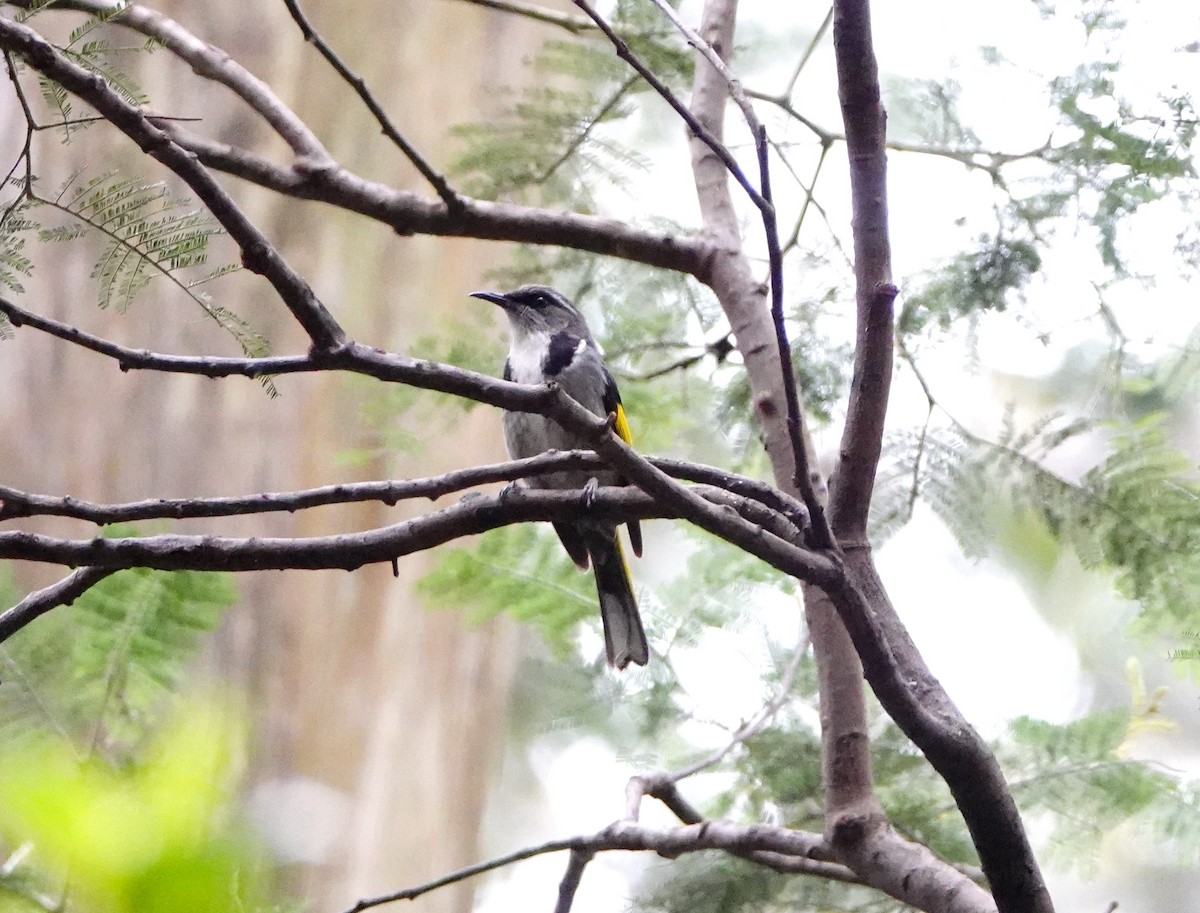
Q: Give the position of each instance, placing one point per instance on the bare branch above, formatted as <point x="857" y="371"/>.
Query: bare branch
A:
<point x="775" y="847"/>
<point x="130" y="359"/>
<point x="408" y="213"/>
<point x="472" y="515"/>
<point x="761" y="506"/>
<point x="865" y="124"/>
<point x="38" y="603"/>
<point x="258" y="255"/>
<point x="359" y="85"/>
<point x="990" y="161"/>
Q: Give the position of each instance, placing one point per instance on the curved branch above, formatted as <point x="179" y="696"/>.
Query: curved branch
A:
<point x="39" y="602"/>
<point x="774" y="847"/>
<point x="409" y="213"/>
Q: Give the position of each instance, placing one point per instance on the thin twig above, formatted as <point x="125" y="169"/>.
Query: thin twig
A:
<point x="756" y="723"/>
<point x="26" y="154"/>
<point x="808" y="52"/>
<point x="718" y="148"/>
<point x="552" y="846"/>
<point x="573" y="24"/>
<point x="438" y="181"/>
<point x="583" y="134"/>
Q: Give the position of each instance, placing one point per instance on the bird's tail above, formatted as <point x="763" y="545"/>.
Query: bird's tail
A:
<point x="624" y="638"/>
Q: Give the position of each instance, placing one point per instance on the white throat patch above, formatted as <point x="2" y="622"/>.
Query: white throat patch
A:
<point x="525" y="357"/>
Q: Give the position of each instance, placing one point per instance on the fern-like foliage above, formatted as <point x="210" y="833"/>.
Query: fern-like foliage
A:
<point x="148" y="232"/>
<point x="984" y="279"/>
<point x="99" y="672"/>
<point x="1132" y="515"/>
<point x="548" y="142"/>
<point x="1078" y="777"/>
<point x="145" y="232"/>
<point x="520" y="571"/>
<point x="14" y="264"/>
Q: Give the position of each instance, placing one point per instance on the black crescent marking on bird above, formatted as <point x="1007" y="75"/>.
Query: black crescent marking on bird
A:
<point x="561" y="352"/>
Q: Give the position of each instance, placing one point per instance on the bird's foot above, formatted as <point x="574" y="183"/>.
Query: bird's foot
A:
<point x="589" y="493"/>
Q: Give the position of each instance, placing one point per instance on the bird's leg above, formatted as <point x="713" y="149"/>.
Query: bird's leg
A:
<point x="589" y="493"/>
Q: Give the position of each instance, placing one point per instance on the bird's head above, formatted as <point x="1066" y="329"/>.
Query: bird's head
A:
<point x="538" y="309"/>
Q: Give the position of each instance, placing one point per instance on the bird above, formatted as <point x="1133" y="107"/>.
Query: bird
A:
<point x="550" y="342"/>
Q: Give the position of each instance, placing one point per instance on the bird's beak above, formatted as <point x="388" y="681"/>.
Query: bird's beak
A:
<point x="493" y="297"/>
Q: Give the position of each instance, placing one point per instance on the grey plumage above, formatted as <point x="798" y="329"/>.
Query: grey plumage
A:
<point x="550" y="341"/>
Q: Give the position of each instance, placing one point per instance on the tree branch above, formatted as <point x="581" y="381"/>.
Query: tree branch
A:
<point x="408" y="213"/>
<point x="862" y="111"/>
<point x="212" y="63"/>
<point x="474" y="514"/>
<point x="39" y="602"/>
<point x="576" y="863"/>
<point x="315" y="176"/>
<point x="576" y="25"/>
<point x="892" y="664"/>
<point x="761" y="505"/>
<point x="762" y="844"/>
<point x="553" y="846"/>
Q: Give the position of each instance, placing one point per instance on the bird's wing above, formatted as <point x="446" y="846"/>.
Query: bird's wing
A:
<point x="613" y="406"/>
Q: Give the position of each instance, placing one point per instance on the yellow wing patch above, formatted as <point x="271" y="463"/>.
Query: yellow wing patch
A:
<point x="622" y="426"/>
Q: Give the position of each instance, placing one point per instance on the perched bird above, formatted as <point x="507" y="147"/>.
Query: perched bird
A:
<point x="550" y="341"/>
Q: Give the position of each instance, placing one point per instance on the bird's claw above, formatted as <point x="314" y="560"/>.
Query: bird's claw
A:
<point x="589" y="493"/>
